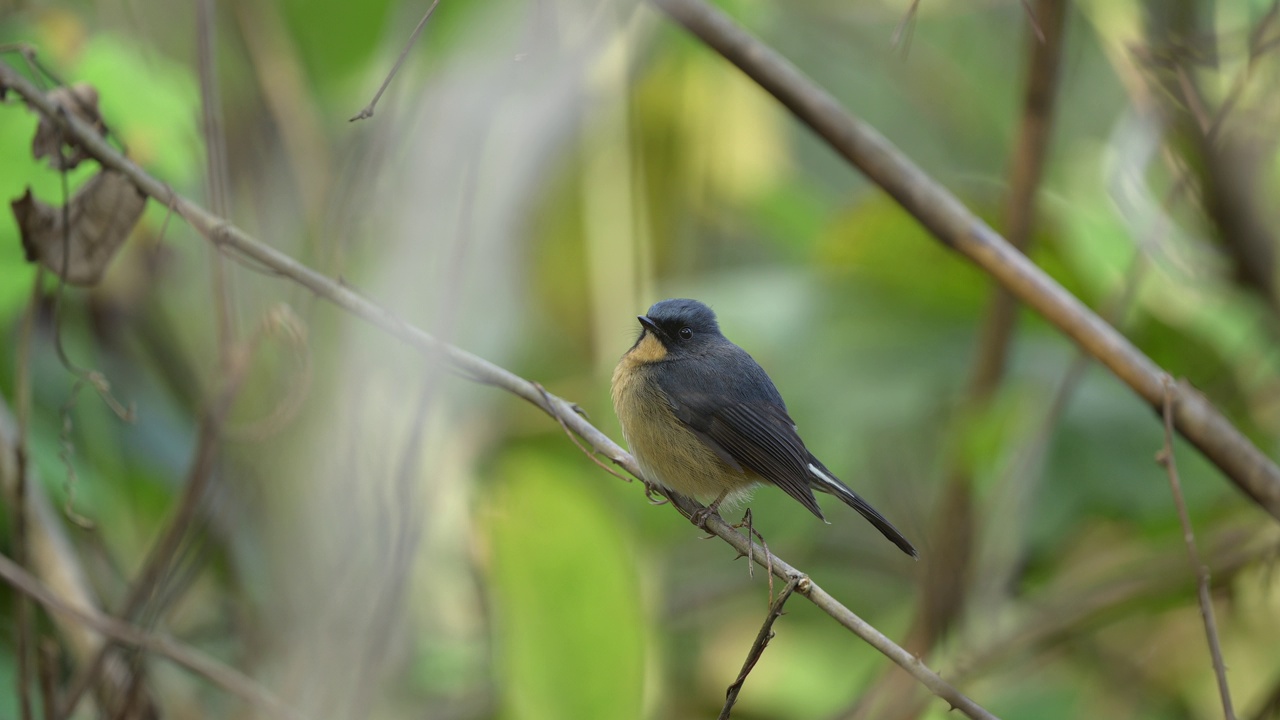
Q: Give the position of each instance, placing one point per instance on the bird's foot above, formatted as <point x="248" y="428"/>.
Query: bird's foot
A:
<point x="703" y="514"/>
<point x="655" y="495"/>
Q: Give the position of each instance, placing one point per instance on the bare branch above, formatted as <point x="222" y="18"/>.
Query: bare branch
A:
<point x="229" y="238"/>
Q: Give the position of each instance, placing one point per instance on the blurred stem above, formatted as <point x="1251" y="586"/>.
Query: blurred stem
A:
<point x="613" y="221"/>
<point x="162" y="554"/>
<point x="215" y="173"/>
<point x="944" y="584"/>
<point x="1059" y="612"/>
<point x="28" y="635"/>
<point x="1269" y="709"/>
<point x="1013" y="495"/>
<point x="286" y="92"/>
<point x="367" y="110"/>
<point x="1025" y="175"/>
<point x="1225" y="149"/>
<point x="52" y="557"/>
<point x="225" y="677"/>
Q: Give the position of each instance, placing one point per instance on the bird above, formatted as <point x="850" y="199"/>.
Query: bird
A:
<point x="705" y="421"/>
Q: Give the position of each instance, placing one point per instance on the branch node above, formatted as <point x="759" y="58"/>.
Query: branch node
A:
<point x="803" y="584"/>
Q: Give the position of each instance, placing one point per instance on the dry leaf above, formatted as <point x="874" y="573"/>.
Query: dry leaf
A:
<point x="80" y="100"/>
<point x="102" y="214"/>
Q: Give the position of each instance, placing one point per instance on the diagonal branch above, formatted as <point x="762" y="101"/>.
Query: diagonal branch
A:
<point x="228" y="237"/>
<point x="960" y="229"/>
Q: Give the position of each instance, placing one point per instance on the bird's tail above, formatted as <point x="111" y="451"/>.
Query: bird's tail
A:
<point x="822" y="479"/>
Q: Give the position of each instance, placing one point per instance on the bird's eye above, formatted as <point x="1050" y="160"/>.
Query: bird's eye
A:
<point x="686" y="333"/>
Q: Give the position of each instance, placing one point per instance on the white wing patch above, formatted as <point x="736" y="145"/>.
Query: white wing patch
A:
<point x="822" y="476"/>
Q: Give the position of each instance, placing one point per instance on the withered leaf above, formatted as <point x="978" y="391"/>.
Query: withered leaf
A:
<point x="80" y="100"/>
<point x="102" y="213"/>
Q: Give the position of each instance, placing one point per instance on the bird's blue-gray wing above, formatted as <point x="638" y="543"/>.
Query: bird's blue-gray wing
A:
<point x="738" y="413"/>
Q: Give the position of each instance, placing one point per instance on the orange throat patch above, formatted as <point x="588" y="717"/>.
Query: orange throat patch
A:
<point x="648" y="349"/>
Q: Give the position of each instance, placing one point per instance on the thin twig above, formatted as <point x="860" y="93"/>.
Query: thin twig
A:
<point x="757" y="648"/>
<point x="960" y="229"/>
<point x="224" y="677"/>
<point x="367" y="112"/>
<point x="591" y="455"/>
<point x="1166" y="458"/>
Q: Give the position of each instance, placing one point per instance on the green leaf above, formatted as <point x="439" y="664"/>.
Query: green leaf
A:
<point x="570" y="627"/>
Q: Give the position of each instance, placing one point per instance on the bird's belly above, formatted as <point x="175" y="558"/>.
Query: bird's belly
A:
<point x="668" y="452"/>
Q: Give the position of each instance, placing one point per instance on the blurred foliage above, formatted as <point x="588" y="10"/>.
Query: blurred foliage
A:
<point x="385" y="539"/>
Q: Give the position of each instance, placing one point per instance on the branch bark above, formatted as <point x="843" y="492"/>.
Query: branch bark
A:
<point x="958" y="228"/>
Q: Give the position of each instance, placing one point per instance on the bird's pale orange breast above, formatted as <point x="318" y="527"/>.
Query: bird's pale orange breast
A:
<point x="668" y="451"/>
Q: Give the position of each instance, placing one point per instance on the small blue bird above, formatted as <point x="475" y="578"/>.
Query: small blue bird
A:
<point x="704" y="420"/>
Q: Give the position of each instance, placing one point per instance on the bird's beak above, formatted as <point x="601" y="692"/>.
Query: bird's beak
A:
<point x="651" y="326"/>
